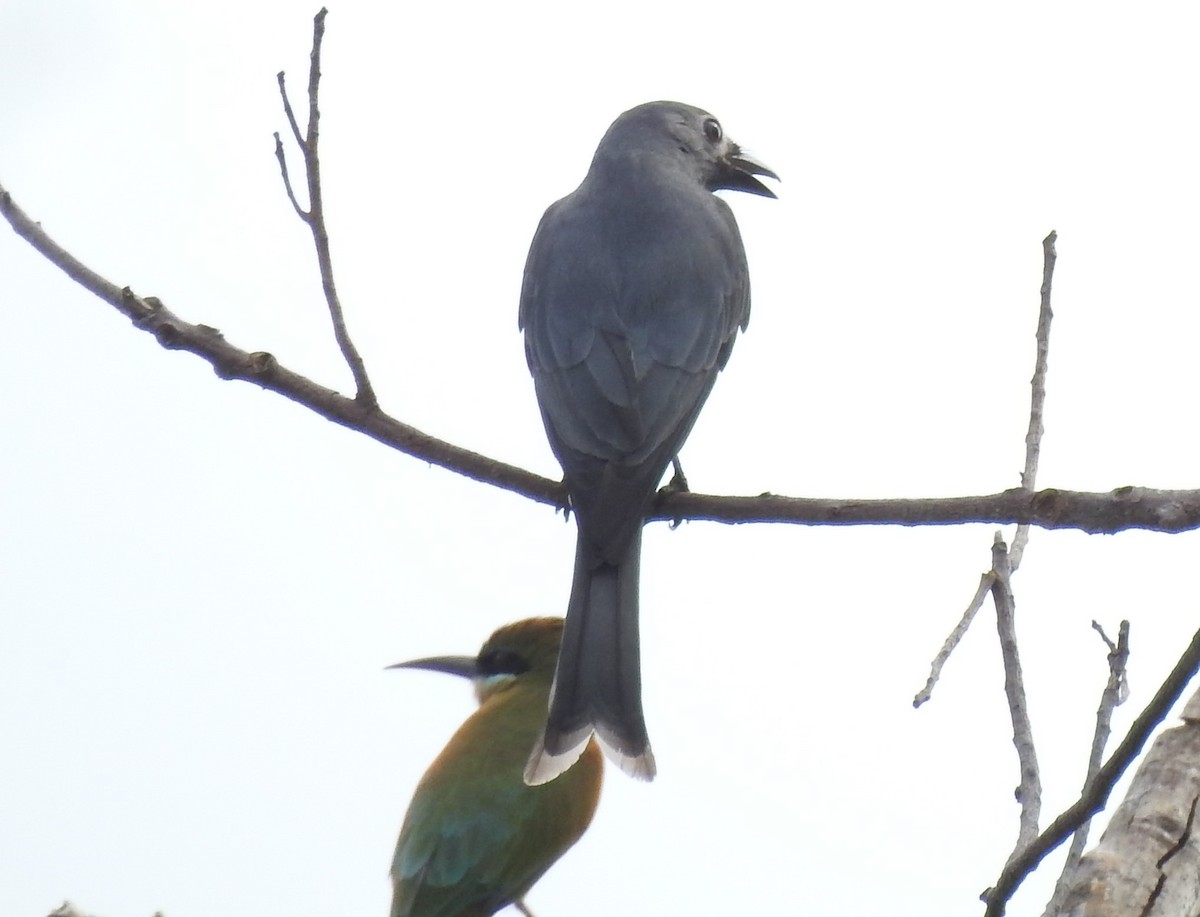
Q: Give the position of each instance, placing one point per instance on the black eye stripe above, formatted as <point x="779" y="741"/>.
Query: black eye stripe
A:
<point x="501" y="662"/>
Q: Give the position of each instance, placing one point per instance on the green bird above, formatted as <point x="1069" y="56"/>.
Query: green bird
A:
<point x="476" y="838"/>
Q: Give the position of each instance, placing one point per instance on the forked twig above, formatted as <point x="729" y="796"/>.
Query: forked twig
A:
<point x="1115" y="511"/>
<point x="1094" y="798"/>
<point x="1115" y="691"/>
<point x="314" y="217"/>
<point x="1033" y="449"/>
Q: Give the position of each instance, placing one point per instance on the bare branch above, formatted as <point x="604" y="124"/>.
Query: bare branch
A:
<point x="314" y="80"/>
<point x="1123" y="508"/>
<point x="1114" y="694"/>
<point x="281" y="158"/>
<point x="1033" y="448"/>
<point x="1094" y="798"/>
<point x="1115" y="511"/>
<point x="1029" y="790"/>
<point x="230" y="362"/>
<point x="314" y="218"/>
<point x="1033" y="436"/>
<point x="287" y="108"/>
<point x="956" y="635"/>
<point x="1112" y="647"/>
<point x="1005" y="563"/>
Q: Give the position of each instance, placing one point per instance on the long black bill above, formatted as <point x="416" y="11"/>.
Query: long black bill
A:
<point x="463" y="666"/>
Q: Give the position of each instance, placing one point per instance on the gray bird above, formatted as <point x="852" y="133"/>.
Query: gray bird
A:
<point x="635" y="288"/>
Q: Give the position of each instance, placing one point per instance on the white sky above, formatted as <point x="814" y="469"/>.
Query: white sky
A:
<point x="200" y="582"/>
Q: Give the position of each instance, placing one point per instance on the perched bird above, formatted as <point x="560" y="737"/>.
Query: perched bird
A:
<point x="635" y="287"/>
<point x="476" y="838"/>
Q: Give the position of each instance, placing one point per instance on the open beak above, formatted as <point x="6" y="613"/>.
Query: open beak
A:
<point x="740" y="172"/>
<point x="463" y="666"/>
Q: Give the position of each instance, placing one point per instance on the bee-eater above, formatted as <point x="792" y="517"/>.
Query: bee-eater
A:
<point x="476" y="837"/>
<point x="635" y="287"/>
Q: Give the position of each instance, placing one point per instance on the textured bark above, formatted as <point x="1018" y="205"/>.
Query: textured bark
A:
<point x="1147" y="864"/>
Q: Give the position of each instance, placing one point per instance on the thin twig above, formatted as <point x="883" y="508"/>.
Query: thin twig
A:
<point x="1029" y="790"/>
<point x="1094" y="798"/>
<point x="1033" y="449"/>
<point x="314" y="218"/>
<point x="1033" y="436"/>
<point x="1115" y="511"/>
<point x="956" y="635"/>
<point x="1114" y="694"/>
<point x="281" y="158"/>
<point x="319" y="33"/>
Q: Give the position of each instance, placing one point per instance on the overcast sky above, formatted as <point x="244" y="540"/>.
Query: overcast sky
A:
<point x="200" y="582"/>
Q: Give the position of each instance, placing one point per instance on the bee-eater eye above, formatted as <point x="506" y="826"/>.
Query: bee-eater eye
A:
<point x="502" y="662"/>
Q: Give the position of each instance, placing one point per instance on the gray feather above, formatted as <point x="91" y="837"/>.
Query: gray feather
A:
<point x="635" y="288"/>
